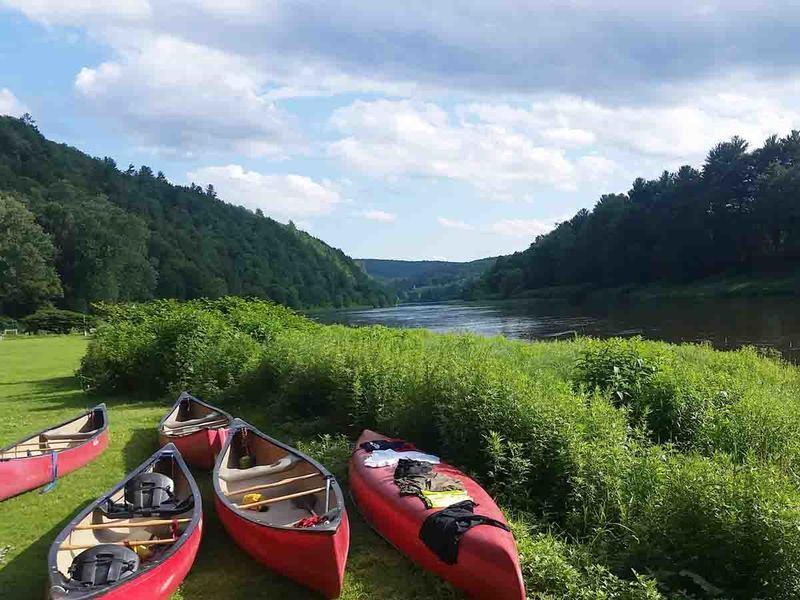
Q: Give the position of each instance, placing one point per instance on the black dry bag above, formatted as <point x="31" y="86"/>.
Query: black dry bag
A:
<point x="105" y="564"/>
<point x="148" y="492"/>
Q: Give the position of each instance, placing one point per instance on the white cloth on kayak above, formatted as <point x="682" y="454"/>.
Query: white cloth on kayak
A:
<point x="386" y="458"/>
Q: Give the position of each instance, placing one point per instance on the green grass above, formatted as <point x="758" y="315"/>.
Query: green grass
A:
<point x="37" y="388"/>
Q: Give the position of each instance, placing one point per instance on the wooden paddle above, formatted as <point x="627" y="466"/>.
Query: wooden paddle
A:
<point x="128" y="543"/>
<point x="281" y="498"/>
<point x="111" y="525"/>
<point x="272" y="485"/>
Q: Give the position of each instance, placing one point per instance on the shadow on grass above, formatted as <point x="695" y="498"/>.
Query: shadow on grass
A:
<point x="25" y="576"/>
<point x="64" y="393"/>
<point x="222" y="570"/>
<point x="142" y="443"/>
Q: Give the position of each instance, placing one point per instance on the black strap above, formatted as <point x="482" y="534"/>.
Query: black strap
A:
<point x="373" y="445"/>
<point x="442" y="531"/>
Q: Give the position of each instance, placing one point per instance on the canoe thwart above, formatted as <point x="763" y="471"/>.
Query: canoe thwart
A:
<point x="281" y="498"/>
<point x="264" y="486"/>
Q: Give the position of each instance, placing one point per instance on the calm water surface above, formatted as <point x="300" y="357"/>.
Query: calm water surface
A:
<point x="725" y="323"/>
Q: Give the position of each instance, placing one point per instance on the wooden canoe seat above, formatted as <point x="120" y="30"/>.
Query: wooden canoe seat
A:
<point x="80" y="435"/>
<point x="279" y="466"/>
<point x="210" y="417"/>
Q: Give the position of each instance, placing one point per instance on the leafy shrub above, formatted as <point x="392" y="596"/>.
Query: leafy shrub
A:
<point x="166" y="347"/>
<point x="53" y="320"/>
<point x="678" y="462"/>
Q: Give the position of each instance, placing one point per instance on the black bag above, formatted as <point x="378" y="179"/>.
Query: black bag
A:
<point x="442" y="531"/>
<point x="147" y="495"/>
<point x="103" y="565"/>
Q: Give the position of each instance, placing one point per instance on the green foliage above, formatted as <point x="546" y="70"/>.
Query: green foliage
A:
<point x="677" y="462"/>
<point x="426" y="280"/>
<point x="133" y="236"/>
<point x="168" y="347"/>
<point x="739" y="214"/>
<point x="53" y="320"/>
<point x="27" y="276"/>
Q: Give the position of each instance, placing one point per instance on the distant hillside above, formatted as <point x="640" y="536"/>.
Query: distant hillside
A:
<point x="738" y="215"/>
<point x="426" y="280"/>
<point x="132" y="235"/>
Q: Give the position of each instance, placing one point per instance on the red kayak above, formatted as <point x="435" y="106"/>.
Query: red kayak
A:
<point x="137" y="542"/>
<point x="488" y="562"/>
<point x="41" y="458"/>
<point x="283" y="508"/>
<point x="196" y="428"/>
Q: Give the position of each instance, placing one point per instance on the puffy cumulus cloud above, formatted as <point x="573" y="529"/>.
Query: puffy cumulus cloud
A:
<point x="672" y="132"/>
<point x="406" y="138"/>
<point x="378" y="215"/>
<point x="281" y="197"/>
<point x="455" y="224"/>
<point x="187" y="98"/>
<point x="521" y="228"/>
<point x="10" y="105"/>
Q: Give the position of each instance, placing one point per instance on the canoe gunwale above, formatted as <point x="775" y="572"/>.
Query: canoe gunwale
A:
<point x="329" y="528"/>
<point x="187" y="396"/>
<point x="100" y="407"/>
<point x="56" y="578"/>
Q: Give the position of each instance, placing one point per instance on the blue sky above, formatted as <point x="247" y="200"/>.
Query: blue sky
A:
<point x="405" y="130"/>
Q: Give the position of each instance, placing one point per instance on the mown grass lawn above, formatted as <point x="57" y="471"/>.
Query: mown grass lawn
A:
<point x="38" y="388"/>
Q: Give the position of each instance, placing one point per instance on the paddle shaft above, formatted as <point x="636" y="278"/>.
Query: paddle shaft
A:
<point x="153" y="523"/>
<point x="282" y="498"/>
<point x="272" y="485"/>
<point x="193" y="425"/>
<point x="128" y="543"/>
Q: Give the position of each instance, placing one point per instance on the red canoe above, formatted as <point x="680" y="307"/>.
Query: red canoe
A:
<point x="43" y="457"/>
<point x="196" y="428"/>
<point x="283" y="508"/>
<point x="488" y="562"/>
<point x="137" y="542"/>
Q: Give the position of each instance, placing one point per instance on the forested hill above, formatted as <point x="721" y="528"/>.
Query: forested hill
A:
<point x="426" y="280"/>
<point x="740" y="213"/>
<point x="132" y="235"/>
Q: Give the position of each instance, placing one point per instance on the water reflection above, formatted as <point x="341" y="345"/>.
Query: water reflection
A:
<point x="725" y="323"/>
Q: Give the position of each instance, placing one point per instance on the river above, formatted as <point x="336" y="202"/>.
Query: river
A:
<point x="724" y="322"/>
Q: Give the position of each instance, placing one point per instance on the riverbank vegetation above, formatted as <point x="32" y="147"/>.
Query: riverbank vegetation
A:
<point x="632" y="469"/>
<point x="738" y="215"/>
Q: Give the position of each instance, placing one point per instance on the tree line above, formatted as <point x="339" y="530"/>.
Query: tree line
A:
<point x="738" y="214"/>
<point x="76" y="229"/>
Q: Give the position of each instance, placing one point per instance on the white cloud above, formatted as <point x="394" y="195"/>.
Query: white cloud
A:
<point x="281" y="197"/>
<point x="455" y="224"/>
<point x="188" y="98"/>
<point x="675" y="132"/>
<point x="522" y="228"/>
<point x="10" y="105"/>
<point x="596" y="168"/>
<point x="406" y="138"/>
<point x="81" y="12"/>
<point x="379" y="215"/>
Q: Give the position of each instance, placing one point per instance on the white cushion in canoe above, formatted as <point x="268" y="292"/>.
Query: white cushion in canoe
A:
<point x="233" y="475"/>
<point x="78" y="435"/>
<point x="175" y="424"/>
